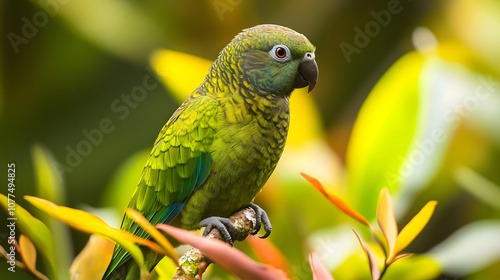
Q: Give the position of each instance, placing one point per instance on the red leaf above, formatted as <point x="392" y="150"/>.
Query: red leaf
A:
<point x="227" y="257"/>
<point x="374" y="270"/>
<point x="320" y="272"/>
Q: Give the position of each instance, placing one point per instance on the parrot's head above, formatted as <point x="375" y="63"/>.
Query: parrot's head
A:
<point x="273" y="59"/>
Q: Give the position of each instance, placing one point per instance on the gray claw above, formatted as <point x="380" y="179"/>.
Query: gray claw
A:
<point x="261" y="216"/>
<point x="224" y="225"/>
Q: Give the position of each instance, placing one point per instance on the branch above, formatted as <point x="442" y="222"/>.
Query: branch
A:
<point x="193" y="263"/>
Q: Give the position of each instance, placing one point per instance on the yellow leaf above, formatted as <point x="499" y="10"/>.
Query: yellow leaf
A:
<point x="414" y="227"/>
<point x="180" y="72"/>
<point x="160" y="238"/>
<point x="387" y="221"/>
<point x="92" y="261"/>
<point x="89" y="223"/>
<point x="339" y="203"/>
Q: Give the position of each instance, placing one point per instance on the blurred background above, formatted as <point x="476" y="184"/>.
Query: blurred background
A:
<point x="408" y="97"/>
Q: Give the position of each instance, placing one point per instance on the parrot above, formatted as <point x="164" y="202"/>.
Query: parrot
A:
<point x="218" y="149"/>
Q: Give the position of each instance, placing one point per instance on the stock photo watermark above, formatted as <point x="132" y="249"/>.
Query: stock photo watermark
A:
<point x="11" y="216"/>
<point x="223" y="6"/>
<point x="32" y="25"/>
<point x="121" y="108"/>
<point x="454" y="116"/>
<point x="363" y="35"/>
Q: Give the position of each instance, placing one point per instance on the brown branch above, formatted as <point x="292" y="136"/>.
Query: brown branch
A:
<point x="193" y="263"/>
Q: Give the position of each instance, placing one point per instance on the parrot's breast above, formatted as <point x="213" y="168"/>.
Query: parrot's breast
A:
<point x="247" y="146"/>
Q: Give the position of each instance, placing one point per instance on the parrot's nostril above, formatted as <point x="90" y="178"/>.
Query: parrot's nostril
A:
<point x="309" y="56"/>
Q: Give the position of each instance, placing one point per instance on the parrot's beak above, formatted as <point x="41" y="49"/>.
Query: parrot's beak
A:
<point x="307" y="73"/>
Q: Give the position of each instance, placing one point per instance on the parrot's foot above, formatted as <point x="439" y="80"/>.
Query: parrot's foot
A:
<point x="224" y="225"/>
<point x="262" y="218"/>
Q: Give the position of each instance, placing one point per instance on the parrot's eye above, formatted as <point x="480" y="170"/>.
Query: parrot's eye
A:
<point x="280" y="53"/>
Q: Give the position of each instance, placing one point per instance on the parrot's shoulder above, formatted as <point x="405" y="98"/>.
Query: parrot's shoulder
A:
<point x="194" y="118"/>
<point x="192" y="125"/>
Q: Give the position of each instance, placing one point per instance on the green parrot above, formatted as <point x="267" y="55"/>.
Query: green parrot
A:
<point x="220" y="146"/>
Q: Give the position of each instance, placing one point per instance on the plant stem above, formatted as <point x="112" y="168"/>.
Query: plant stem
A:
<point x="193" y="263"/>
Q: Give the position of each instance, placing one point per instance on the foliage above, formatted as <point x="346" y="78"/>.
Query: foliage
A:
<point x="415" y="109"/>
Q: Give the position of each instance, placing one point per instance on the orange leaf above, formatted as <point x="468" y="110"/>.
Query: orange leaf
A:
<point x="374" y="270"/>
<point x="339" y="203"/>
<point x="93" y="259"/>
<point x="414" y="227"/>
<point x="387" y="222"/>
<point x="28" y="252"/>
<point x="268" y="253"/>
<point x="320" y="272"/>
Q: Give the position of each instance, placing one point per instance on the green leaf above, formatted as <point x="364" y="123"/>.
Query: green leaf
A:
<point x="33" y="228"/>
<point x="124" y="181"/>
<point x="413" y="267"/>
<point x="382" y="134"/>
<point x="50" y="186"/>
<point x="118" y="27"/>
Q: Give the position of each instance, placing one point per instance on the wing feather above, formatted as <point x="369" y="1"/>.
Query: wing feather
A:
<point x="178" y="164"/>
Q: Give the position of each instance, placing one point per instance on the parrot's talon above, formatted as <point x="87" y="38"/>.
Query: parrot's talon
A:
<point x="224" y="225"/>
<point x="261" y="218"/>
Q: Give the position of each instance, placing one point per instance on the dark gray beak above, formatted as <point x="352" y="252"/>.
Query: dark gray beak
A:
<point x="307" y="73"/>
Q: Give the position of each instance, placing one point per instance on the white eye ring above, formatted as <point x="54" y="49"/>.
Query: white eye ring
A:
<point x="280" y="53"/>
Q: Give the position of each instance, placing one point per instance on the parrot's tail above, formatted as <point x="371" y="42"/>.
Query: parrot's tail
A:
<point x="129" y="270"/>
